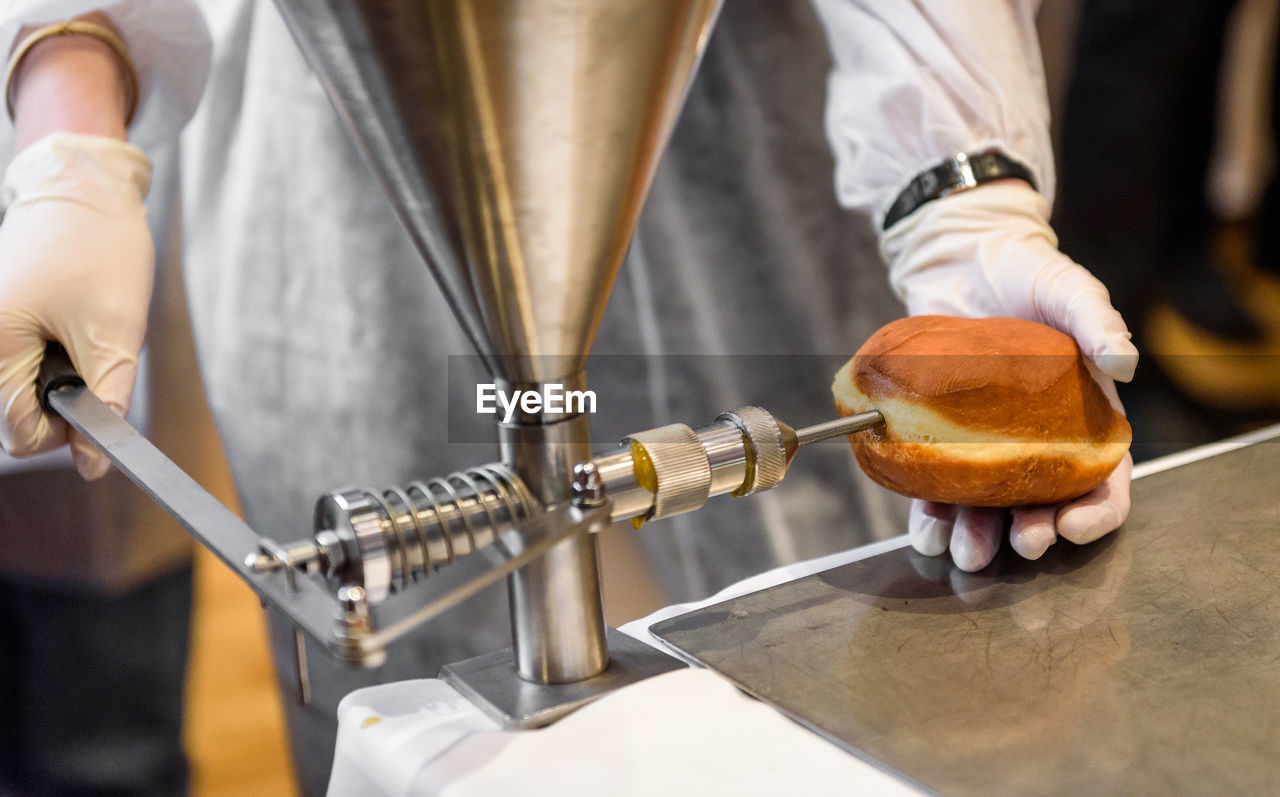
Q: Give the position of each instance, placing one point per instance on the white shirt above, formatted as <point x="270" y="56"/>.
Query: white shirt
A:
<point x="914" y="81"/>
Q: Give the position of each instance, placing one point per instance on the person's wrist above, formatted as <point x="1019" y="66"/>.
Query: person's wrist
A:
<point x="70" y="82"/>
<point x="961" y="229"/>
<point x="957" y="174"/>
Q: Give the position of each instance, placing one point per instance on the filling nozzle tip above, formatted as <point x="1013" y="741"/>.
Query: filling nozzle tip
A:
<point x="840" y="426"/>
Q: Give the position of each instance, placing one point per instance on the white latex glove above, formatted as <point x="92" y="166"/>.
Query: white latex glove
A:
<point x="76" y="265"/>
<point x="991" y="252"/>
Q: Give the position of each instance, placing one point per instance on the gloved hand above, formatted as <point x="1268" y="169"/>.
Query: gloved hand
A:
<point x="991" y="252"/>
<point x="76" y="265"/>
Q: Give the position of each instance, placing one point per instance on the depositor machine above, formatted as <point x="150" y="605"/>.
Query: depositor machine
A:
<point x="517" y="140"/>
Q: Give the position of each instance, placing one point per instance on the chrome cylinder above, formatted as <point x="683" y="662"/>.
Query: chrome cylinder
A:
<point x="557" y="617"/>
<point x="726" y="454"/>
<point x="613" y="475"/>
<point x="674" y="469"/>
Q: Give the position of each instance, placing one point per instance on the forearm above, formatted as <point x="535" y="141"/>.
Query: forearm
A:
<point x="88" y="95"/>
<point x="71" y="83"/>
<point x="917" y="81"/>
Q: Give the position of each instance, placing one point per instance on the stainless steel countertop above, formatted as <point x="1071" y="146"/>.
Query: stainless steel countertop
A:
<point x="1147" y="662"/>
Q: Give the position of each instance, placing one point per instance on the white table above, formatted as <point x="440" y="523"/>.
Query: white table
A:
<point x="422" y="737"/>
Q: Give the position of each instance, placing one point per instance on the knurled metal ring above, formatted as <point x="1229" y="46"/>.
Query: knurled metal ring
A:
<point x="767" y="447"/>
<point x="681" y="466"/>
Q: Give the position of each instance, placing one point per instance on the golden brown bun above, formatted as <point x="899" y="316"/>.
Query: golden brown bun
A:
<point x="981" y="412"/>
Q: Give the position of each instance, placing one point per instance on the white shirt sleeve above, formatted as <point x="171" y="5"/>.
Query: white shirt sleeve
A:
<point x="169" y="43"/>
<point x="917" y="81"/>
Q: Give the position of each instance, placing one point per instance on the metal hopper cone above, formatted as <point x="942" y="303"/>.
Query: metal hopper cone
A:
<point x="517" y="140"/>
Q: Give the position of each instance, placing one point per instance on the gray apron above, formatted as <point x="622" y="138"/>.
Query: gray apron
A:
<point x="326" y="347"/>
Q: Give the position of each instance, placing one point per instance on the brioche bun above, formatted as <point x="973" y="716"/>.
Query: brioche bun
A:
<point x="980" y="412"/>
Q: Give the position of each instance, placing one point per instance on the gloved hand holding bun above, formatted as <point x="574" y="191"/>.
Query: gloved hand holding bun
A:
<point x="981" y="414"/>
<point x="990" y="252"/>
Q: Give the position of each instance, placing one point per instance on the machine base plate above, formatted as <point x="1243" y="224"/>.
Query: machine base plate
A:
<point x="490" y="681"/>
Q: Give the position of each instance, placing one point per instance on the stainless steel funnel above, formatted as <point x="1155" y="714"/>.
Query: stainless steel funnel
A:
<point x="517" y="140"/>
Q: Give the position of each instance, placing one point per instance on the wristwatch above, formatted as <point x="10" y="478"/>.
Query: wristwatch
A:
<point x="957" y="173"/>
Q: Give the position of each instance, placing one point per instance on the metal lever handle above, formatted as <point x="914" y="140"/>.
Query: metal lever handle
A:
<point x="351" y="632"/>
<point x="63" y="392"/>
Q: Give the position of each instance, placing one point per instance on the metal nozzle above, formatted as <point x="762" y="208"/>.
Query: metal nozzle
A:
<point x="675" y="469"/>
<point x="840" y="426"/>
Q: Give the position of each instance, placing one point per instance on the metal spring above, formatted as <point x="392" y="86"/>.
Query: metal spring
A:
<point x="429" y="524"/>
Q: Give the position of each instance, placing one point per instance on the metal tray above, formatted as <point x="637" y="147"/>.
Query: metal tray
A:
<point x="1145" y="663"/>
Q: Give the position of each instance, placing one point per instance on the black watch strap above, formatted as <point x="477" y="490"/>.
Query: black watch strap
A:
<point x="958" y="173"/>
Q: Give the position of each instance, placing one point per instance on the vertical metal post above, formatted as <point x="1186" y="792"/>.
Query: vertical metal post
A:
<point x="557" y="617"/>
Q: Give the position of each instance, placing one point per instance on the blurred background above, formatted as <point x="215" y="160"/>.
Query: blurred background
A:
<point x="1165" y="134"/>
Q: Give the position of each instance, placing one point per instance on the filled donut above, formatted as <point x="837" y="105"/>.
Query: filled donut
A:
<point x="980" y="412"/>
